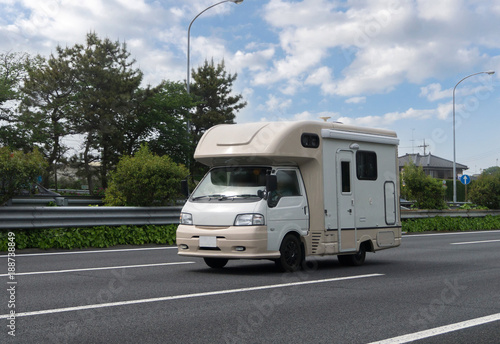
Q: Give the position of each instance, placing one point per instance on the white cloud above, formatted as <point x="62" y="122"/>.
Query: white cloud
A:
<point x="386" y="44"/>
<point x="356" y="100"/>
<point x="254" y="61"/>
<point x="275" y="104"/>
<point x="388" y="119"/>
<point x="304" y="116"/>
<point x="433" y="92"/>
<point x="442" y="10"/>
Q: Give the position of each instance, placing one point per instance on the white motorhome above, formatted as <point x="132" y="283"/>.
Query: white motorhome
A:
<point x="287" y="190"/>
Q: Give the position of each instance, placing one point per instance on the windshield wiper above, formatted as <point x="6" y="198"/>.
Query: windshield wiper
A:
<point x="218" y="196"/>
<point x="223" y="197"/>
<point x="245" y="196"/>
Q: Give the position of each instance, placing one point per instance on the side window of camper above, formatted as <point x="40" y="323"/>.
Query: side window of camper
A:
<point x="345" y="170"/>
<point x="288" y="185"/>
<point x="366" y="165"/>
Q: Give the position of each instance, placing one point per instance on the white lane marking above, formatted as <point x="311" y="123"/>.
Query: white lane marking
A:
<point x="186" y="296"/>
<point x="102" y="251"/>
<point x="440" y="330"/>
<point x="473" y="242"/>
<point x="95" y="269"/>
<point x="452" y="233"/>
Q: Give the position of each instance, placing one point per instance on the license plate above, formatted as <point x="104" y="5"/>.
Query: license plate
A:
<point x="208" y="241"/>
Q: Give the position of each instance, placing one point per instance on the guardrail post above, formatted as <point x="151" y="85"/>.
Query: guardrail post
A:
<point x="61" y="201"/>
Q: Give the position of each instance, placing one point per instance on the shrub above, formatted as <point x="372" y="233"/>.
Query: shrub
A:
<point x="18" y="171"/>
<point x="451" y="224"/>
<point x="485" y="191"/>
<point x="427" y="192"/>
<point x="102" y="236"/>
<point x="145" y="179"/>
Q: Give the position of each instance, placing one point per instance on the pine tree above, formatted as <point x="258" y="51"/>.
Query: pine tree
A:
<point x="215" y="103"/>
<point x="106" y="84"/>
<point x="13" y="69"/>
<point x="47" y="91"/>
<point x="168" y="110"/>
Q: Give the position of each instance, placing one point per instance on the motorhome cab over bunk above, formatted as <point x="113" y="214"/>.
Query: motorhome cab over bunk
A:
<point x="287" y="190"/>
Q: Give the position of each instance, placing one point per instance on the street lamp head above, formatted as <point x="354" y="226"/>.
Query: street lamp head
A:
<point x="237" y="1"/>
<point x="491" y="72"/>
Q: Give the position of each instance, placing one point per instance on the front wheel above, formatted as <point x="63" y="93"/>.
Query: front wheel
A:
<point x="291" y="255"/>
<point x="216" y="263"/>
<point x="356" y="259"/>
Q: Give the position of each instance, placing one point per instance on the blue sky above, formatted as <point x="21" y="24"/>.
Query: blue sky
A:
<point x="388" y="64"/>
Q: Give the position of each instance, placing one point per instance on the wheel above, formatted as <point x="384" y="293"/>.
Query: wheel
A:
<point x="356" y="259"/>
<point x="216" y="263"/>
<point x="291" y="254"/>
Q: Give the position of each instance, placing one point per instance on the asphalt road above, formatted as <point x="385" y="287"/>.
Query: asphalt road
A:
<point x="441" y="288"/>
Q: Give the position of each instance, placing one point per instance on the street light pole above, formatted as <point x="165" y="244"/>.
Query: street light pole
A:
<point x="189" y="34"/>
<point x="188" y="57"/>
<point x="454" y="151"/>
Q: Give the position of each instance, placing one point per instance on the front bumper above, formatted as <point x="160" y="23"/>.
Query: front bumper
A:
<point x="252" y="238"/>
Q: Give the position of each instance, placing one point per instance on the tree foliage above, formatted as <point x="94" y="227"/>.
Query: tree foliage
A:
<point x="105" y="85"/>
<point x="168" y="110"/>
<point x="11" y="73"/>
<point x="92" y="90"/>
<point x="485" y="191"/>
<point x="145" y="179"/>
<point x="215" y="103"/>
<point x="427" y="192"/>
<point x="493" y="170"/>
<point x="18" y="171"/>
<point x="13" y="70"/>
<point x="48" y="90"/>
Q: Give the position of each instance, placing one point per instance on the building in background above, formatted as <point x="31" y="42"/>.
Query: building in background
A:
<point x="433" y="166"/>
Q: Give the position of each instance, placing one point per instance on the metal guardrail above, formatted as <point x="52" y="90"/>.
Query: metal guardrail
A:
<point x="418" y="214"/>
<point x="57" y="217"/>
<point x="42" y="201"/>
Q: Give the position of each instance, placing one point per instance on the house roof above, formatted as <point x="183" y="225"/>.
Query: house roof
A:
<point x="429" y="161"/>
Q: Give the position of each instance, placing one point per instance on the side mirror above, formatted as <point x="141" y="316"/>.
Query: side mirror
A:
<point x="271" y="187"/>
<point x="271" y="183"/>
<point x="185" y="187"/>
<point x="262" y="194"/>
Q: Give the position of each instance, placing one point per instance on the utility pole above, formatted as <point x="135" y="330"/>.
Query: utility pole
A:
<point x="412" y="142"/>
<point x="424" y="146"/>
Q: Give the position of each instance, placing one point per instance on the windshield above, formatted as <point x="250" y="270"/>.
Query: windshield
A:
<point x="230" y="183"/>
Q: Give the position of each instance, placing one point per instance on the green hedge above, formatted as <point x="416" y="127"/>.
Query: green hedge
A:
<point x="105" y="236"/>
<point x="102" y="236"/>
<point x="451" y="224"/>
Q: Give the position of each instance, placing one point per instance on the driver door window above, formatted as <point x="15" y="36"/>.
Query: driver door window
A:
<point x="288" y="185"/>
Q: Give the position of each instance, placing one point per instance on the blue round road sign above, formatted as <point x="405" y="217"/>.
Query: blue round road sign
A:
<point x="465" y="179"/>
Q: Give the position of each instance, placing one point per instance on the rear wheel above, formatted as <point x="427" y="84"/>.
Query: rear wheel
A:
<point x="216" y="263"/>
<point x="356" y="259"/>
<point x="291" y="255"/>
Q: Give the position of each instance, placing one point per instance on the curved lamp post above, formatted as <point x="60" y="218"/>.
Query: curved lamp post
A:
<point x="454" y="152"/>
<point x="188" y="54"/>
<point x="189" y="33"/>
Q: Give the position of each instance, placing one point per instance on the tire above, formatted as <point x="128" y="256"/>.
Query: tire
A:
<point x="216" y="263"/>
<point x="291" y="254"/>
<point x="356" y="259"/>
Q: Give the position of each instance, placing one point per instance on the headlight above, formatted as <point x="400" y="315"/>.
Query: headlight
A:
<point x="249" y="220"/>
<point x="186" y="219"/>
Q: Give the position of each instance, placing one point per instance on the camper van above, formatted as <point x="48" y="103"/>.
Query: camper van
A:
<point x="287" y="190"/>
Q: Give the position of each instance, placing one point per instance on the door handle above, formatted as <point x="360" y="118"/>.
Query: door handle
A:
<point x="349" y="211"/>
